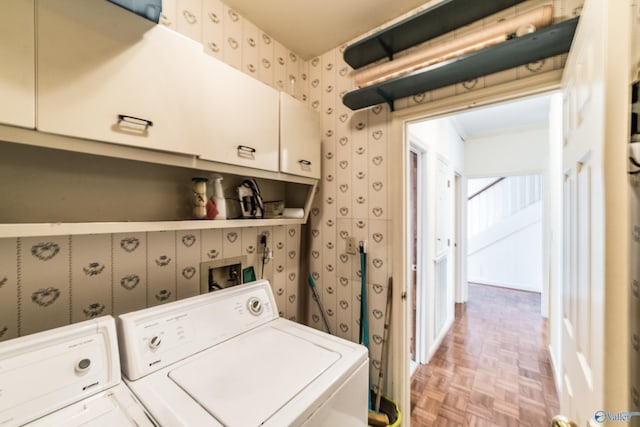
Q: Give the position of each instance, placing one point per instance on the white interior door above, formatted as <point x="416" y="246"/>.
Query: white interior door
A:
<point x="581" y="316"/>
<point x="443" y="208"/>
<point x="594" y="379"/>
<point x="443" y="263"/>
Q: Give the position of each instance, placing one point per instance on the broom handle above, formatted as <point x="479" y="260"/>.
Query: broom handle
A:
<point x="385" y="345"/>
<point x="316" y="297"/>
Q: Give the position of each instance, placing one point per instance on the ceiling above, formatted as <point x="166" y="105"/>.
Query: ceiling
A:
<point x="528" y="112"/>
<point x="311" y="27"/>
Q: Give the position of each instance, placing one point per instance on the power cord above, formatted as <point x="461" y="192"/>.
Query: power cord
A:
<point x="267" y="253"/>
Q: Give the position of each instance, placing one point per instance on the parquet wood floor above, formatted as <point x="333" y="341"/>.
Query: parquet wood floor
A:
<point x="492" y="368"/>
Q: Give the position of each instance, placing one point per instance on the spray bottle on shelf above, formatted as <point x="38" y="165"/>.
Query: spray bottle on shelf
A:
<point x="218" y="197"/>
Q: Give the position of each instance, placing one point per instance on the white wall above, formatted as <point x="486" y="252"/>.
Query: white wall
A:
<point x="514" y="152"/>
<point x="509" y="254"/>
<point x="440" y="137"/>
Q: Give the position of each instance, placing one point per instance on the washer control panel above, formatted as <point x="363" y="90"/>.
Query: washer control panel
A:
<point x="156" y="337"/>
<point x="44" y="372"/>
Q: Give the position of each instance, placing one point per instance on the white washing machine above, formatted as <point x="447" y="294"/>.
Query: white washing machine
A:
<point x="227" y="359"/>
<point x="68" y="376"/>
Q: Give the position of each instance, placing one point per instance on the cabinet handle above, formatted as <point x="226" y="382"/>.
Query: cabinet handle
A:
<point x="135" y="121"/>
<point x="304" y="162"/>
<point x="246" y="148"/>
<point x="246" y="152"/>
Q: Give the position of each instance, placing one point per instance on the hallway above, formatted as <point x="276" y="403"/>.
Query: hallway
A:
<point x="492" y="368"/>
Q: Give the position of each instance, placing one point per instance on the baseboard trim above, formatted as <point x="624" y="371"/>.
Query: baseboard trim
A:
<point x="512" y="286"/>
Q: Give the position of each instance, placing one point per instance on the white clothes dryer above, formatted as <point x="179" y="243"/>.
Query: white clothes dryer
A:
<point x="227" y="359"/>
<point x="67" y="376"/>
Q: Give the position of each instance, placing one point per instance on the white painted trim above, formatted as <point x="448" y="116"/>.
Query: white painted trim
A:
<point x="460" y="237"/>
<point x="63" y="229"/>
<point x="534" y="85"/>
<point x="422" y="293"/>
<point x="508" y="285"/>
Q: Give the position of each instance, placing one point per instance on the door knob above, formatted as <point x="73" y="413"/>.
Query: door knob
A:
<point x="562" y="421"/>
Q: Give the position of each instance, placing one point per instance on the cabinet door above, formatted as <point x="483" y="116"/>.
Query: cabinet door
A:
<point x="107" y="74"/>
<point x="240" y="118"/>
<point x="300" y="138"/>
<point x="17" y="73"/>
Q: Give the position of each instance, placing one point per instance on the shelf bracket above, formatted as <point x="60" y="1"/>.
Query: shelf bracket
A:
<point x="386" y="48"/>
<point x="388" y="99"/>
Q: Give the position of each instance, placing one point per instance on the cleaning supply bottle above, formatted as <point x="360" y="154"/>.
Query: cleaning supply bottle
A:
<point x="218" y="197"/>
<point x="199" y="188"/>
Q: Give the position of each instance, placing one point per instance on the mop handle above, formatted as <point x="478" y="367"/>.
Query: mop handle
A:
<point x="385" y="345"/>
<point x="364" y="324"/>
<point x="316" y="297"/>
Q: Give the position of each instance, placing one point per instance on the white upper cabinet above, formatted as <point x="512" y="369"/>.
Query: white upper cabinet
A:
<point x="240" y="118"/>
<point x="107" y="74"/>
<point x="300" y="137"/>
<point x="17" y="72"/>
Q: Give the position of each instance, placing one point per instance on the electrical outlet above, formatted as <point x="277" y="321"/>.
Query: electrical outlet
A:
<point x="351" y="245"/>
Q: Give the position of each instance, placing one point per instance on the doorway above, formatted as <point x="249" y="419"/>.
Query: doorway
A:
<point x="445" y="144"/>
<point x="505" y="229"/>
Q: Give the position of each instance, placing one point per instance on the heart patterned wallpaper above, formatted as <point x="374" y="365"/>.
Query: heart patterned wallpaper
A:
<point x="60" y="280"/>
<point x="353" y="196"/>
<point x="236" y="41"/>
<point x="53" y="281"/>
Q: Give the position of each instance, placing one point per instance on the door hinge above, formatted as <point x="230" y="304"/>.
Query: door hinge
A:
<point x="404" y="296"/>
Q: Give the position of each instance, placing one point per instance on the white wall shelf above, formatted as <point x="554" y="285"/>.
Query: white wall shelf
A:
<point x="63" y="229"/>
<point x="58" y="185"/>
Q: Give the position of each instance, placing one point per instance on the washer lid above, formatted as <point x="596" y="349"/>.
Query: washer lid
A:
<point x="246" y="380"/>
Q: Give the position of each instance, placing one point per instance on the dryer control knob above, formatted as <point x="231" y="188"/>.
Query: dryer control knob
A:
<point x="155" y="342"/>
<point x="255" y="306"/>
<point x="83" y="366"/>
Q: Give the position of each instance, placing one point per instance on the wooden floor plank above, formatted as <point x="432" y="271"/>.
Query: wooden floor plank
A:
<point x="493" y="367"/>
